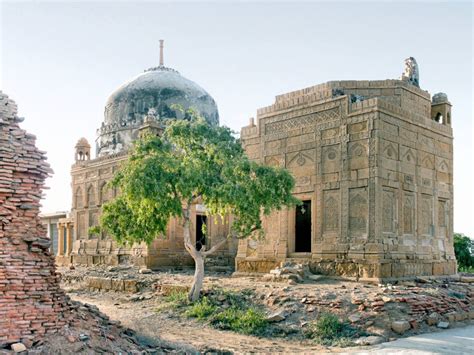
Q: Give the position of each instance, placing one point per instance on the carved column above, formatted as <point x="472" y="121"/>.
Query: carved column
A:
<point x="60" y="240"/>
<point x="68" y="239"/>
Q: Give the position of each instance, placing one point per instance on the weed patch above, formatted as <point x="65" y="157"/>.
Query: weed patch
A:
<point x="329" y="330"/>
<point x="222" y="309"/>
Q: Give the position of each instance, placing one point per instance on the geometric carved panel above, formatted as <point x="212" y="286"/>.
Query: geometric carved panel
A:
<point x="331" y="210"/>
<point x="330" y="158"/>
<point x="358" y="155"/>
<point x="442" y="213"/>
<point x="81" y="225"/>
<point x="408" y="214"/>
<point x="426" y="214"/>
<point x="301" y="158"/>
<point x="388" y="210"/>
<point x="358" y="209"/>
<point x="390" y="150"/>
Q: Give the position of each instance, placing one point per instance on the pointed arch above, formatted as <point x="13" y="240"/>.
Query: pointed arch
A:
<point x="91" y="200"/>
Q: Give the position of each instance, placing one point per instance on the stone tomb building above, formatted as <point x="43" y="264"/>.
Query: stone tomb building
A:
<point x="373" y="163"/>
<point x="143" y="103"/>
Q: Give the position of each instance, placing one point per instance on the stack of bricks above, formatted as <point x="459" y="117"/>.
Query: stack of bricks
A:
<point x="31" y="301"/>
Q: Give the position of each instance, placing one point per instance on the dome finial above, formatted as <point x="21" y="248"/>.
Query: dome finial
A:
<point x="161" y="53"/>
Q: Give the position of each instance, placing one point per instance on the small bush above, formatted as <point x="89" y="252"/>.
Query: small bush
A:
<point x="201" y="309"/>
<point x="222" y="309"/>
<point x="175" y="299"/>
<point x="329" y="330"/>
<point x="246" y="321"/>
<point x="464" y="249"/>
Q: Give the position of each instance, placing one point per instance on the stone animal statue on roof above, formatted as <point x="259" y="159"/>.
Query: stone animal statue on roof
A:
<point x="411" y="73"/>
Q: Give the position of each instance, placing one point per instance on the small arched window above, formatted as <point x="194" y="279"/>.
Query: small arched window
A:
<point x="104" y="193"/>
<point x="90" y="196"/>
<point x="439" y="117"/>
<point x="79" y="198"/>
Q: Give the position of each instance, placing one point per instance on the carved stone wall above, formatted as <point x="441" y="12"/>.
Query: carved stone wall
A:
<point x="31" y="302"/>
<point x="378" y="170"/>
<point x="90" y="192"/>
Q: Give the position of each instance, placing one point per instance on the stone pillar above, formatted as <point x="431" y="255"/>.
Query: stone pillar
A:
<point x="60" y="240"/>
<point x="68" y="239"/>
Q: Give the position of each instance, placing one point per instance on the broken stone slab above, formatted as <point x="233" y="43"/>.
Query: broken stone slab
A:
<point x="145" y="271"/>
<point x="314" y="277"/>
<point x="18" y="347"/>
<point x="432" y="319"/>
<point x="443" y="325"/>
<point x="467" y="279"/>
<point x="400" y="326"/>
<point x="353" y="318"/>
<point x="370" y="340"/>
<point x="276" y="317"/>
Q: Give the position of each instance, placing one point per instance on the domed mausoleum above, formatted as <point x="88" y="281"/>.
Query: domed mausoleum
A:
<point x="145" y="102"/>
<point x="161" y="89"/>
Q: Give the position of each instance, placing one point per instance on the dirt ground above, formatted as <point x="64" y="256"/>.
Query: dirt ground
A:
<point x="372" y="308"/>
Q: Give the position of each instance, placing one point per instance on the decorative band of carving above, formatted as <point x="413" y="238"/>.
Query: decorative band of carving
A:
<point x="302" y="121"/>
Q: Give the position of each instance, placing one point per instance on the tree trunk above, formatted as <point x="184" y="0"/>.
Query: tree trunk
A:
<point x="197" y="255"/>
<point x="196" y="288"/>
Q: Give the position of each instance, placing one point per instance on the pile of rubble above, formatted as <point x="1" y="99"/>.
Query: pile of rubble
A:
<point x="35" y="313"/>
<point x="291" y="272"/>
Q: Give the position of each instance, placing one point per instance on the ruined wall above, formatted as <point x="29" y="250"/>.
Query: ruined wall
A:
<point x="31" y="302"/>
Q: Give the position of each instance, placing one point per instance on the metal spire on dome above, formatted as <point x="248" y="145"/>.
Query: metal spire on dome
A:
<point x="161" y="66"/>
<point x="161" y="53"/>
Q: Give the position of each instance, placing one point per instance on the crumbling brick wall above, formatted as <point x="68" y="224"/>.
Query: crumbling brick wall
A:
<point x="31" y="302"/>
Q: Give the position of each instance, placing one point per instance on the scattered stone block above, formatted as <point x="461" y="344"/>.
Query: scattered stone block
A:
<point x="443" y="325"/>
<point x="276" y="317"/>
<point x="432" y="319"/>
<point x="370" y="340"/>
<point x="400" y="326"/>
<point x="18" y="347"/>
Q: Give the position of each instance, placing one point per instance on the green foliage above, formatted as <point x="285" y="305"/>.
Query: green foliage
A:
<point x="245" y="321"/>
<point x="178" y="298"/>
<point x="464" y="248"/>
<point x="192" y="161"/>
<point x="222" y="309"/>
<point x="467" y="270"/>
<point x="329" y="330"/>
<point x="201" y="309"/>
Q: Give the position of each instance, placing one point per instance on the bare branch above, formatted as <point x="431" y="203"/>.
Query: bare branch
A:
<point x="215" y="247"/>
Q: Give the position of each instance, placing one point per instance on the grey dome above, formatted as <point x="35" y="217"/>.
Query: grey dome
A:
<point x="158" y="89"/>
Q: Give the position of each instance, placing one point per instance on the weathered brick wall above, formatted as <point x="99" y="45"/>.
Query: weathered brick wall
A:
<point x="31" y="302"/>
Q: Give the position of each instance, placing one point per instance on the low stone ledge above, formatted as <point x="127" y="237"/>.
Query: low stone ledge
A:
<point x="112" y="284"/>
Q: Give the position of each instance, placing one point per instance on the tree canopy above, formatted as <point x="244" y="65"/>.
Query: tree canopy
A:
<point x="192" y="161"/>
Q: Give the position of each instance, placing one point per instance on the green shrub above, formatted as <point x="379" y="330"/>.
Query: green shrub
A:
<point x="464" y="248"/>
<point x="246" y="321"/>
<point x="329" y="330"/>
<point x="177" y="298"/>
<point x="201" y="309"/>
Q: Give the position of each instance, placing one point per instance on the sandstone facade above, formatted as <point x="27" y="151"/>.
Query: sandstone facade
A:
<point x="31" y="302"/>
<point x="142" y="104"/>
<point x="373" y="163"/>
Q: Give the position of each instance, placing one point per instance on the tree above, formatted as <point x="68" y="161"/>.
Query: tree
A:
<point x="193" y="162"/>
<point x="464" y="249"/>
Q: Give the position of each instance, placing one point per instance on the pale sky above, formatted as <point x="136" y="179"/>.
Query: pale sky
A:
<point x="60" y="60"/>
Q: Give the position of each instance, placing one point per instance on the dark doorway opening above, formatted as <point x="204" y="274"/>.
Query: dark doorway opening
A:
<point x="303" y="228"/>
<point x="200" y="235"/>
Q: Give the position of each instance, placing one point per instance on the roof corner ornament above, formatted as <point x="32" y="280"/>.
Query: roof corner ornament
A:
<point x="411" y="73"/>
<point x="161" y="53"/>
<point x="151" y="115"/>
